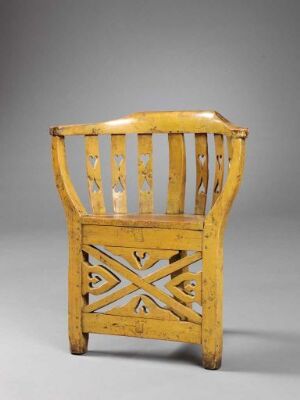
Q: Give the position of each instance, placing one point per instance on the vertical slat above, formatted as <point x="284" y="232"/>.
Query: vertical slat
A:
<point x="219" y="166"/>
<point x="93" y="170"/>
<point x="229" y="150"/>
<point x="118" y="171"/>
<point x="177" y="174"/>
<point x="145" y="180"/>
<point x="201" y="154"/>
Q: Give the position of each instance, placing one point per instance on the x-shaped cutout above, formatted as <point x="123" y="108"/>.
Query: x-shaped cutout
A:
<point x="143" y="283"/>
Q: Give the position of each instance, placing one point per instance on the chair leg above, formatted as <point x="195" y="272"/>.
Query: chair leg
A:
<point x="78" y="340"/>
<point x="212" y="301"/>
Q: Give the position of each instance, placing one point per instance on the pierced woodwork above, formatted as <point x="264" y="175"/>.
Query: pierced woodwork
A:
<point x="169" y="306"/>
<point x="145" y="181"/>
<point x="177" y="174"/>
<point x="229" y="150"/>
<point x="118" y="169"/>
<point x="141" y="259"/>
<point x="145" y="283"/>
<point x="201" y="155"/>
<point x="144" y="307"/>
<point x="219" y="167"/>
<point x="93" y="170"/>
<point x="97" y="279"/>
<point x="186" y="287"/>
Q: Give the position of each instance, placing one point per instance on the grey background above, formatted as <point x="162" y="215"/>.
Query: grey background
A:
<point x="85" y="61"/>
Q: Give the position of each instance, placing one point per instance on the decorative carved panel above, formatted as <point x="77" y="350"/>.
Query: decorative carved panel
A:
<point x="143" y="306"/>
<point x="176" y="305"/>
<point x="186" y="287"/>
<point x="142" y="259"/>
<point x="97" y="279"/>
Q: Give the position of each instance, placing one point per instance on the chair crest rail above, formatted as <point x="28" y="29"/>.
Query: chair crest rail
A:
<point x="157" y="122"/>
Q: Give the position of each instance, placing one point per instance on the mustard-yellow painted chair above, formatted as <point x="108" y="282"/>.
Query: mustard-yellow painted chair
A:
<point x="124" y="245"/>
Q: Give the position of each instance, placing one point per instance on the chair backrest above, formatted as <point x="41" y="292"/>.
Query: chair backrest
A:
<point x="174" y="123"/>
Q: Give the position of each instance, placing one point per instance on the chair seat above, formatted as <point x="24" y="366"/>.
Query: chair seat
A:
<point x="182" y="221"/>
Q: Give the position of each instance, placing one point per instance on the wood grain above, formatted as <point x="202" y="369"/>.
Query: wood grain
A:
<point x="201" y="156"/>
<point x="145" y="180"/>
<point x="118" y="171"/>
<point x="132" y="244"/>
<point x="177" y="174"/>
<point x="93" y="170"/>
<point x="178" y="331"/>
<point x="157" y="122"/>
<point x="219" y="167"/>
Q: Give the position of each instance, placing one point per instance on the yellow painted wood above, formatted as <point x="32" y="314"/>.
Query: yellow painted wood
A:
<point x="118" y="171"/>
<point x="68" y="195"/>
<point x="141" y="259"/>
<point x="178" y="331"/>
<point x="145" y="179"/>
<point x="143" y="307"/>
<point x="177" y="174"/>
<point x="174" y="275"/>
<point x="212" y="273"/>
<point x="189" y="292"/>
<point x="153" y="277"/>
<point x="229" y="150"/>
<point x="183" y="221"/>
<point x="96" y="275"/>
<point x="157" y="122"/>
<point x="152" y="238"/>
<point x="219" y="167"/>
<point x="93" y="170"/>
<point x="73" y="209"/>
<point x="143" y="284"/>
<point x="201" y="156"/>
<point x="93" y="274"/>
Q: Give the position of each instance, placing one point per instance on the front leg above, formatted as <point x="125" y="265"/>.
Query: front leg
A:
<point x="212" y="298"/>
<point x="76" y="301"/>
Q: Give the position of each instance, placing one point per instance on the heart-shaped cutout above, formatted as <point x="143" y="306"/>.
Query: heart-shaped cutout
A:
<point x="201" y="158"/>
<point x="118" y="188"/>
<point x="201" y="188"/>
<point x="141" y="307"/>
<point x="95" y="187"/>
<point x="144" y="158"/>
<point x="145" y="186"/>
<point x="141" y="258"/>
<point x="118" y="159"/>
<point x="93" y="160"/>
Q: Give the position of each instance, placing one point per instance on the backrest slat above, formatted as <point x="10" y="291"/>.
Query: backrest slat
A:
<point x="219" y="167"/>
<point x="93" y="170"/>
<point x="177" y="174"/>
<point x="202" y="175"/>
<point x="118" y="171"/>
<point x="145" y="179"/>
<point x="229" y="150"/>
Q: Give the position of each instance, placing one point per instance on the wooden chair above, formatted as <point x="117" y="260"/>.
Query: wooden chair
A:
<point x="125" y="245"/>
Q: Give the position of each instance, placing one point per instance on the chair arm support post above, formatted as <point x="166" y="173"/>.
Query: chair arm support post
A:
<point x="67" y="192"/>
<point x="212" y="281"/>
<point x="218" y="214"/>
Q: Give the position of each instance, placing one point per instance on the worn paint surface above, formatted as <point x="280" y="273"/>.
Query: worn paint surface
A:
<point x="141" y="240"/>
